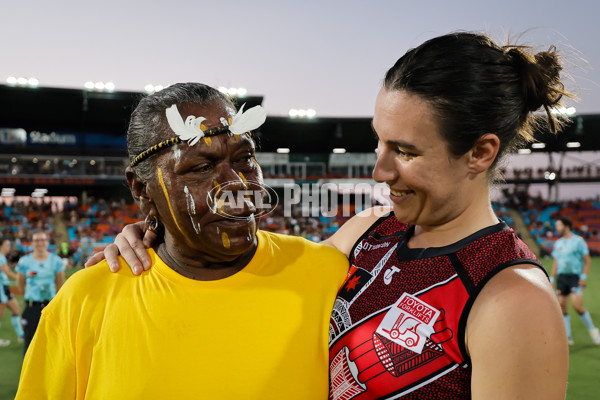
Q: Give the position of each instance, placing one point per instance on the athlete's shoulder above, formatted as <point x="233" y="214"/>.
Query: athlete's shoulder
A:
<point x="359" y="226"/>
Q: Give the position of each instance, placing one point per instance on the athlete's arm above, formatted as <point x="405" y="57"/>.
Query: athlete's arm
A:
<point x="131" y="243"/>
<point x="348" y="234"/>
<point x="8" y="271"/>
<point x="587" y="264"/>
<point x="21" y="282"/>
<point x="516" y="338"/>
<point x="554" y="269"/>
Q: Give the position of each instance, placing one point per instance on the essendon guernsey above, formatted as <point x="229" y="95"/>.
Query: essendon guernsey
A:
<point x="398" y="324"/>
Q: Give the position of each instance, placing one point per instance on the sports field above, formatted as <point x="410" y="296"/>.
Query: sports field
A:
<point x="584" y="374"/>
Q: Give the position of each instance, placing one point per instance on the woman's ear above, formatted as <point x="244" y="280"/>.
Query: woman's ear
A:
<point x="484" y="153"/>
<point x="139" y="191"/>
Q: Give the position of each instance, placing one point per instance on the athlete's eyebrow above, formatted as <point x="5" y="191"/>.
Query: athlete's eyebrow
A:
<point x="399" y="143"/>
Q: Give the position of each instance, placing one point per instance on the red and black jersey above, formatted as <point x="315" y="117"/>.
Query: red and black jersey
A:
<point x="398" y="324"/>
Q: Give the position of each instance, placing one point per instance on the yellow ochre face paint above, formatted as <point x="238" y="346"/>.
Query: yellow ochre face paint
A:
<point x="243" y="178"/>
<point x="208" y="141"/>
<point x="225" y="240"/>
<point x="164" y="188"/>
<point x="220" y="205"/>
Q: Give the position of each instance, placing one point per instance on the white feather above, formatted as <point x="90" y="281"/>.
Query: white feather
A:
<point x="188" y="130"/>
<point x="243" y="122"/>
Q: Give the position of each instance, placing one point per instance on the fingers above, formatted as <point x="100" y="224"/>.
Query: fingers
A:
<point x="94" y="259"/>
<point x="132" y="252"/>
<point x="111" y="252"/>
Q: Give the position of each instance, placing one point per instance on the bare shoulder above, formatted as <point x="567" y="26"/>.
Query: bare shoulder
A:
<point x="348" y="234"/>
<point x="515" y="331"/>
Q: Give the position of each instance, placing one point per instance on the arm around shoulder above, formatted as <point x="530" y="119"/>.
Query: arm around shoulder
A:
<point x="516" y="338"/>
<point x="352" y="230"/>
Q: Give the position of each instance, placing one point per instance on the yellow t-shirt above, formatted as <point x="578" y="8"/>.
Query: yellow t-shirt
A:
<point x="259" y="334"/>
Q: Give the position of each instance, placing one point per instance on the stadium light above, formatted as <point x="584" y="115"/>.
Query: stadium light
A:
<point x="92" y="162"/>
<point x="283" y="150"/>
<point x="21" y="81"/>
<point x="8" y="192"/>
<point x="549" y="176"/>
<point x="109" y="86"/>
<point x="13" y="160"/>
<point x="233" y="91"/>
<point x="573" y="145"/>
<point x="339" y="150"/>
<point x="100" y="86"/>
<point x="150" y="88"/>
<point x="302" y="113"/>
<point x="524" y="151"/>
<point x="538" y="146"/>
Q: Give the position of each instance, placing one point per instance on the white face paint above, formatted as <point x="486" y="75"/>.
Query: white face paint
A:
<point x="176" y="152"/>
<point x="191" y="209"/>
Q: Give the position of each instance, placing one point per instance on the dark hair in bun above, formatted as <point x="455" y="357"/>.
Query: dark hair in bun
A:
<point x="476" y="87"/>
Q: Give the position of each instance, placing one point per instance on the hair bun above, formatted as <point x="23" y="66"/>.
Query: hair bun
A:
<point x="540" y="76"/>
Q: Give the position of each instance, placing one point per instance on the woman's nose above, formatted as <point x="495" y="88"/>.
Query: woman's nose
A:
<point x="385" y="169"/>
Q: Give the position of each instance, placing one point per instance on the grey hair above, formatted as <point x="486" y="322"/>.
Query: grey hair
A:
<point x="148" y="124"/>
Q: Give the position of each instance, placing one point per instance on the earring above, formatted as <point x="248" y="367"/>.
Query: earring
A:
<point x="151" y="223"/>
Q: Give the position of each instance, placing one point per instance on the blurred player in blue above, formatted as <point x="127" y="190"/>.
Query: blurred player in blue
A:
<point x="39" y="275"/>
<point x="572" y="263"/>
<point x="6" y="297"/>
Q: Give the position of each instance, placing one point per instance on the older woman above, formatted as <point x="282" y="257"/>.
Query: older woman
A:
<point x="225" y="312"/>
<point x="443" y="300"/>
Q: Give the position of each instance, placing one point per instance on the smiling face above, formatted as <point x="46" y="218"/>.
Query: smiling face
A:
<point x="429" y="186"/>
<point x="198" y="218"/>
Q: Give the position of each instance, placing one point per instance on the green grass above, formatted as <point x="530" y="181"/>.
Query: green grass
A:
<point x="11" y="357"/>
<point x="584" y="362"/>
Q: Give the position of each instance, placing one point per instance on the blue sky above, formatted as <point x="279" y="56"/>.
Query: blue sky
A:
<point x="329" y="55"/>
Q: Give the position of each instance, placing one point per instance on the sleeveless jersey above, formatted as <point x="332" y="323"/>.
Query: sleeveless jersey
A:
<point x="398" y="324"/>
